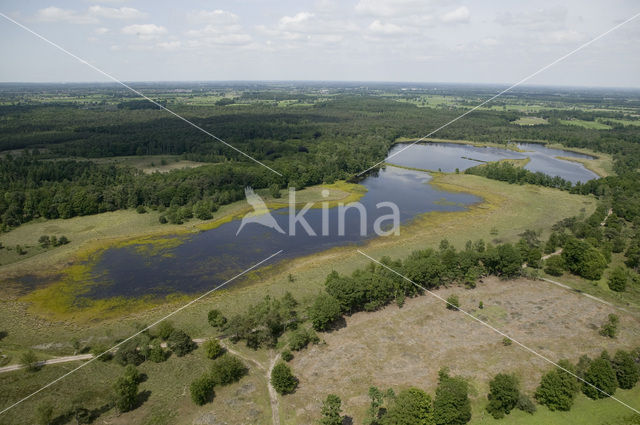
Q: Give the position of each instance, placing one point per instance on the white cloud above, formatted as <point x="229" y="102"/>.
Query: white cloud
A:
<point x="217" y="16"/>
<point x="144" y="31"/>
<point x="378" y="27"/>
<point x="101" y="30"/>
<point x="115" y="13"/>
<point x="387" y="8"/>
<point x="56" y="14"/>
<point x="534" y="19"/>
<point x="169" y="45"/>
<point x="563" y="36"/>
<point x="460" y="15"/>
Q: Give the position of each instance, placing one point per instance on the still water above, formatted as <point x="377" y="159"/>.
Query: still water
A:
<point x="201" y="261"/>
<point x="449" y="156"/>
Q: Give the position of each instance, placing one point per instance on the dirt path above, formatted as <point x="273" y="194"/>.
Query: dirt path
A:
<point x="600" y="300"/>
<point x="273" y="395"/>
<point x="54" y="360"/>
<point x="558" y="252"/>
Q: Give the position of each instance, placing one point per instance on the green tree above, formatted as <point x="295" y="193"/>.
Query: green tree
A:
<point x="125" y="392"/>
<point x="29" y="361"/>
<point x="324" y="311"/>
<point x="503" y="395"/>
<point x="558" y="388"/>
<point x="627" y="370"/>
<point x="583" y="259"/>
<point x="157" y="354"/>
<point x="411" y="407"/>
<point x="610" y="327"/>
<point x="600" y="379"/>
<point x="202" y="390"/>
<point x="554" y="265"/>
<point x="227" y="369"/>
<point x="282" y="379"/>
<point x="618" y="279"/>
<point x="451" y="405"/>
<point x="213" y="349"/>
<point x="331" y="409"/>
<point x="180" y="343"/>
<point x="453" y="303"/>
<point x="373" y="413"/>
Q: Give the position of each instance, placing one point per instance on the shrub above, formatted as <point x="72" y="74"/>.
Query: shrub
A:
<point x="324" y="311"/>
<point x="526" y="404"/>
<point x="216" y="319"/>
<point x="128" y="354"/>
<point x="227" y="369"/>
<point x="411" y="406"/>
<point x="610" y="327"/>
<point x="503" y="395"/>
<point x="202" y="390"/>
<point x="558" y="389"/>
<point x="125" y="392"/>
<point x="130" y="372"/>
<point x="618" y="279"/>
<point x="164" y="330"/>
<point x="282" y="379"/>
<point x="301" y="337"/>
<point x="451" y="405"/>
<point x="601" y="376"/>
<point x="180" y="343"/>
<point x="287" y="356"/>
<point x="554" y="265"/>
<point x="213" y="349"/>
<point x="506" y="341"/>
<point x="29" y="360"/>
<point x="157" y="354"/>
<point x="140" y="209"/>
<point x="331" y="409"/>
<point x="453" y="303"/>
<point x="96" y="350"/>
<point x="627" y="371"/>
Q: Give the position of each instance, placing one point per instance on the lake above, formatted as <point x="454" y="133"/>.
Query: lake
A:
<point x="203" y="260"/>
<point x="449" y="156"/>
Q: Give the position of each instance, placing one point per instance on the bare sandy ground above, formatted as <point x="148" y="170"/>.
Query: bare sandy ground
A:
<point x="401" y="347"/>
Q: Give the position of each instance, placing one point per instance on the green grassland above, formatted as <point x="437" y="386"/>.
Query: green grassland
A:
<point x="594" y="125"/>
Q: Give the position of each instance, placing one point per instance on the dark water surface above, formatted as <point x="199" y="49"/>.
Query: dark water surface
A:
<point x="204" y="260"/>
<point x="449" y="156"/>
<point x="213" y="256"/>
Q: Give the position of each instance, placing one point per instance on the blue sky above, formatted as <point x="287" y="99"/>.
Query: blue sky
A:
<point x="364" y="40"/>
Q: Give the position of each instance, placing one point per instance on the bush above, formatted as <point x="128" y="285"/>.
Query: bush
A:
<point x="301" y="337"/>
<point x="282" y="379"/>
<point x="180" y="343"/>
<point x="130" y="372"/>
<point x="227" y="369"/>
<point x="558" y="389"/>
<point x="610" y="327"/>
<point x="503" y="395"/>
<point x="525" y="404"/>
<point x="324" y="311"/>
<point x="287" y="356"/>
<point x="128" y="353"/>
<point x="411" y="406"/>
<point x="618" y="279"/>
<point x="125" y="393"/>
<point x="451" y="405"/>
<point x="601" y="376"/>
<point x="29" y="360"/>
<point x="627" y="371"/>
<point x="157" y="354"/>
<point x="140" y="209"/>
<point x="554" y="265"/>
<point x="63" y="240"/>
<point x="164" y="330"/>
<point x="331" y="409"/>
<point x="202" y="390"/>
<point x="96" y="350"/>
<point x="213" y="349"/>
<point x="453" y="303"/>
<point x="506" y="341"/>
<point x="216" y="319"/>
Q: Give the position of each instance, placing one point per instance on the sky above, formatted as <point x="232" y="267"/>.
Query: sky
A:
<point x="499" y="41"/>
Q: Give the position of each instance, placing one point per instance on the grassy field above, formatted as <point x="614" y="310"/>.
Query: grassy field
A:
<point x="507" y="210"/>
<point x="530" y="121"/>
<point x="595" y="125"/>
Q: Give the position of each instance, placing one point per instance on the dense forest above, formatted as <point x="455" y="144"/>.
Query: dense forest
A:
<point x="51" y="173"/>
